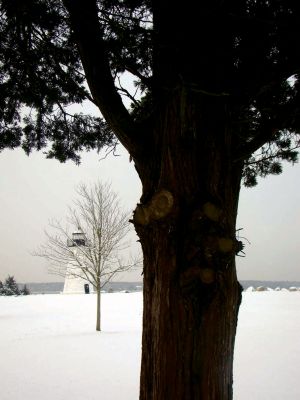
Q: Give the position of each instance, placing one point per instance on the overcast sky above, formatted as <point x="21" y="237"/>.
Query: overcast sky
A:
<point x="34" y="190"/>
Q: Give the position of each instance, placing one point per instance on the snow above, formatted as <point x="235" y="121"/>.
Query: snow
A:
<point x="49" y="349"/>
<point x="267" y="354"/>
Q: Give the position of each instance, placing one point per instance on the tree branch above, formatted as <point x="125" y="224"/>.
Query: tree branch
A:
<point x="263" y="136"/>
<point x="88" y="33"/>
<point x="283" y="117"/>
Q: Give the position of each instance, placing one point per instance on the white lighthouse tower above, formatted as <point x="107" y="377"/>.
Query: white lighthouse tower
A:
<point x="74" y="282"/>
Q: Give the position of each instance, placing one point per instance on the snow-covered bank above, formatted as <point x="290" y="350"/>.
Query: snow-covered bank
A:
<point x="267" y="353"/>
<point x="49" y="349"/>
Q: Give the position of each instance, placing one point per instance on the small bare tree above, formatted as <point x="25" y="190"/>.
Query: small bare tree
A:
<point x="98" y="215"/>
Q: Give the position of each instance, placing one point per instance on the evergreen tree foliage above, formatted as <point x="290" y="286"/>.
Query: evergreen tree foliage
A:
<point x="40" y="76"/>
<point x="1" y="289"/>
<point x="10" y="287"/>
<point x="247" y="59"/>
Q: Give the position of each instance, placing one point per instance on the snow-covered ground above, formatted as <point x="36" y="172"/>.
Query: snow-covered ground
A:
<point x="49" y="349"/>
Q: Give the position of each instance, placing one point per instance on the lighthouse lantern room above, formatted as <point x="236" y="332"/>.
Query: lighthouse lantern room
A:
<point x="78" y="239"/>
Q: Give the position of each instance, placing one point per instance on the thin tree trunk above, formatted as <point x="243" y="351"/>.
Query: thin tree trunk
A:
<point x="98" y="323"/>
<point x="186" y="224"/>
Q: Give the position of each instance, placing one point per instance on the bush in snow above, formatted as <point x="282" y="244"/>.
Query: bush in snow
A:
<point x="293" y="289"/>
<point x="25" y="291"/>
<point x="261" y="289"/>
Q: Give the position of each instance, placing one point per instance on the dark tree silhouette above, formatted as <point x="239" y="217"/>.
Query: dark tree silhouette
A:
<point x="220" y="104"/>
<point x="1" y="289"/>
<point x="10" y="287"/>
<point x="25" y="291"/>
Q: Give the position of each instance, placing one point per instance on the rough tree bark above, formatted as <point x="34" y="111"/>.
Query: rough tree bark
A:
<point x="186" y="224"/>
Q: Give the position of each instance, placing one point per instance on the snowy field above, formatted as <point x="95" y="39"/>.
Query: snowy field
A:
<point x="49" y="349"/>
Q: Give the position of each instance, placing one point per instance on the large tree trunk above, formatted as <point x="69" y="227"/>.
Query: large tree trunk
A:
<point x="186" y="224"/>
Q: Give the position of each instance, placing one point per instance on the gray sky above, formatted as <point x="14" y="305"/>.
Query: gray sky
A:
<point x="269" y="215"/>
<point x="34" y="190"/>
